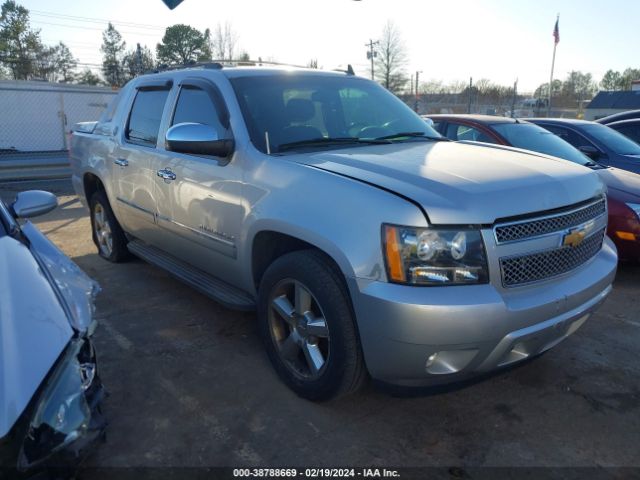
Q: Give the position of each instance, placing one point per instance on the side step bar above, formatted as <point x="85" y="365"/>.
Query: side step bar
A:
<point x="218" y="290"/>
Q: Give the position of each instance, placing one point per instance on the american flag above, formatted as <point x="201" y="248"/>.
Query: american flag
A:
<point x="556" y="31"/>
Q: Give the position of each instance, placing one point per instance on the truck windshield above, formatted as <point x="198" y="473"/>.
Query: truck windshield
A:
<point x="302" y="111"/>
<point x="533" y="137"/>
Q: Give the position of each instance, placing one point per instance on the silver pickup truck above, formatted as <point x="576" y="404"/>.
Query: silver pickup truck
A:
<point x="368" y="244"/>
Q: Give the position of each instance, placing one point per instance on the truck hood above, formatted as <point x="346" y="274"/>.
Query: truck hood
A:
<point x="464" y="184"/>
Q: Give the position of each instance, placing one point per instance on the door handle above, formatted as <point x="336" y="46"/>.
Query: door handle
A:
<point x="122" y="162"/>
<point x="166" y="174"/>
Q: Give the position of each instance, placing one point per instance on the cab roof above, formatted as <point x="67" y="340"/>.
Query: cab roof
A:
<point x="243" y="69"/>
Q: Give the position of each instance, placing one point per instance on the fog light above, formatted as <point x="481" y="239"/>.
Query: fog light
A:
<point x="431" y="359"/>
<point x="449" y="361"/>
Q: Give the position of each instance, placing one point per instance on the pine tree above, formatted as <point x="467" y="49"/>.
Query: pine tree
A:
<point x="113" y="48"/>
<point x="19" y="43"/>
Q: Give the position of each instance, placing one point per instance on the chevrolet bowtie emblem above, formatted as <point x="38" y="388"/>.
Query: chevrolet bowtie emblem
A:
<point x="574" y="237"/>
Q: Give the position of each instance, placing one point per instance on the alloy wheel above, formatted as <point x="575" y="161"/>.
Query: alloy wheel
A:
<point x="102" y="230"/>
<point x="299" y="329"/>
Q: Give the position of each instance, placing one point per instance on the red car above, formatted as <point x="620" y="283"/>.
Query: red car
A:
<point x="623" y="187"/>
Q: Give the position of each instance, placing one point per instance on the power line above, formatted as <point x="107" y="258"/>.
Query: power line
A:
<point x="94" y="20"/>
<point x="92" y="28"/>
<point x="78" y="47"/>
<point x="27" y="60"/>
<point x="48" y="39"/>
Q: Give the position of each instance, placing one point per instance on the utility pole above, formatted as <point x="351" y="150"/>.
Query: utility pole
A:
<point x="417" y="83"/>
<point x="513" y="100"/>
<point x="470" y="89"/>
<point x="371" y="54"/>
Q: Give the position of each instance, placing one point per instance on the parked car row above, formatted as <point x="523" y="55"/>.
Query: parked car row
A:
<point x="567" y="139"/>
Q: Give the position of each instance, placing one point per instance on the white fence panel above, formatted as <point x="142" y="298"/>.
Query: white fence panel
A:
<point x="37" y="116"/>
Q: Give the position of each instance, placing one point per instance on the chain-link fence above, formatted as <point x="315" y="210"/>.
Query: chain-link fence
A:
<point x="36" y="120"/>
<point x="456" y="103"/>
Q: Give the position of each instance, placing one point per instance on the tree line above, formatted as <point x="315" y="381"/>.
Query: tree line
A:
<point x="23" y="56"/>
<point x="180" y="45"/>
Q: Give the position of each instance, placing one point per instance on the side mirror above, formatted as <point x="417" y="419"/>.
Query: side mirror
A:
<point x="590" y="151"/>
<point x="33" y="203"/>
<point x="197" y="139"/>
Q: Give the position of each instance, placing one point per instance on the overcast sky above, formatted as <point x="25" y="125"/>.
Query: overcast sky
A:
<point x="497" y="39"/>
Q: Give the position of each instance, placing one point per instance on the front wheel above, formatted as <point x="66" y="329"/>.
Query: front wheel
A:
<point x="308" y="328"/>
<point x="107" y="233"/>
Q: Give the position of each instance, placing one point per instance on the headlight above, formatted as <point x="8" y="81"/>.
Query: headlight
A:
<point x="428" y="256"/>
<point x="66" y="409"/>
<point x="635" y="207"/>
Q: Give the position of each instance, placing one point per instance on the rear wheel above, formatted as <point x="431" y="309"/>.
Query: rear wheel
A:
<point x="308" y="328"/>
<point x="107" y="233"/>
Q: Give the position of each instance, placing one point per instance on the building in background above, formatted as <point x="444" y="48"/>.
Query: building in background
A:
<point x="608" y="103"/>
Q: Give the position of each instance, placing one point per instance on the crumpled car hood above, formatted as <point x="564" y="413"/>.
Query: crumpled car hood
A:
<point x="36" y="321"/>
<point x="461" y="184"/>
<point x="76" y="287"/>
<point x="34" y="329"/>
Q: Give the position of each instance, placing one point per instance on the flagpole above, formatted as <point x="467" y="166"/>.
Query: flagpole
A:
<point x="553" y="63"/>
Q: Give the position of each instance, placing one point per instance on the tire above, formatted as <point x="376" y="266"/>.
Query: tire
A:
<point x="311" y="338"/>
<point x="106" y="231"/>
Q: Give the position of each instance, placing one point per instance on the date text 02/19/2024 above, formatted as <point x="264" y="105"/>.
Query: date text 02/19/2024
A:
<point x="315" y="473"/>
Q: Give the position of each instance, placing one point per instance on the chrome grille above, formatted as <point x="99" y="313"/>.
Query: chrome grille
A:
<point x="532" y="267"/>
<point x="554" y="223"/>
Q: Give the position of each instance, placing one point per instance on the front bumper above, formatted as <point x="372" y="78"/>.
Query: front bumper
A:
<point x="436" y="335"/>
<point x="64" y="419"/>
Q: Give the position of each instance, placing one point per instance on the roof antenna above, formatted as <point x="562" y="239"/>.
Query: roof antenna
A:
<point x="266" y="141"/>
<point x="350" y="70"/>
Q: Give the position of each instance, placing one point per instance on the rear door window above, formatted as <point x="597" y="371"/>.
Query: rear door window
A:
<point x="145" y="117"/>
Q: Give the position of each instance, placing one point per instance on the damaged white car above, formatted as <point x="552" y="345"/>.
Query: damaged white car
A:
<point x="50" y="391"/>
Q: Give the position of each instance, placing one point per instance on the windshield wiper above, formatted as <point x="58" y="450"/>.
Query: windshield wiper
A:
<point x="328" y="141"/>
<point x="413" y="135"/>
